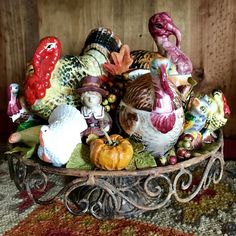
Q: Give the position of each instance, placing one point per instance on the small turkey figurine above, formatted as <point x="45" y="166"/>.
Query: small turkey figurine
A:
<point x="59" y="138"/>
<point x="151" y="109"/>
<point x="161" y="27"/>
<point x="55" y="79"/>
<point x="17" y="109"/>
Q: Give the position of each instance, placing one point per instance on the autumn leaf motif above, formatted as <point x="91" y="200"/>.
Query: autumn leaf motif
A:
<point x="122" y="61"/>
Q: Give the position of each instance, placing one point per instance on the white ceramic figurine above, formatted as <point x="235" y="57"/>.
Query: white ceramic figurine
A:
<point x="60" y="137"/>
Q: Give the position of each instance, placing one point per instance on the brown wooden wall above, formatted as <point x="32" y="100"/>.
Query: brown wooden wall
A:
<point x="207" y="26"/>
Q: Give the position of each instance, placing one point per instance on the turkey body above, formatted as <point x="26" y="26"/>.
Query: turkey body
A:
<point x="65" y="80"/>
<point x="55" y="79"/>
<point x="152" y="112"/>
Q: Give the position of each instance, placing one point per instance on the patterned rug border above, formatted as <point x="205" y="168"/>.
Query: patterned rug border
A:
<point x="41" y="222"/>
<point x="17" y="214"/>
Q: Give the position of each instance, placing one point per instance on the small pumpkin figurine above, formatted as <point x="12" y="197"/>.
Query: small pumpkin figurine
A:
<point x="111" y="152"/>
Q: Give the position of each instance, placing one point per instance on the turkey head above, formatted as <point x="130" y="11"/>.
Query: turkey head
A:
<point x="161" y="26"/>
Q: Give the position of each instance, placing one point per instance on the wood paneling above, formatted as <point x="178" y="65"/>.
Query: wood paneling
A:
<point x="72" y="20"/>
<point x="217" y="55"/>
<point x="207" y="26"/>
<point x="18" y="37"/>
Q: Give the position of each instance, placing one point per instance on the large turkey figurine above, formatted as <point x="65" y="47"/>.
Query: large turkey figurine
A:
<point x="54" y="80"/>
<point x="151" y="109"/>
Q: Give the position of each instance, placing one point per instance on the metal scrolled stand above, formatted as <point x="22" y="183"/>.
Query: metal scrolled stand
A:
<point x="115" y="194"/>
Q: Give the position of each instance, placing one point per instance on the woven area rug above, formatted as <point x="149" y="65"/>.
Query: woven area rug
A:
<point x="212" y="212"/>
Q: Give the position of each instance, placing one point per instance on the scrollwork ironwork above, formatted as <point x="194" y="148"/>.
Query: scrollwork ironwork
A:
<point x="210" y="175"/>
<point x="18" y="171"/>
<point x="122" y="193"/>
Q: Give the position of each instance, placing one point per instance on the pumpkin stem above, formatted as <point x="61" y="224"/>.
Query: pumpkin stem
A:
<point x="110" y="142"/>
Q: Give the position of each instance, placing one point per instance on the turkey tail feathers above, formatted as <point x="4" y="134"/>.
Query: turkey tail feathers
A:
<point x="103" y="37"/>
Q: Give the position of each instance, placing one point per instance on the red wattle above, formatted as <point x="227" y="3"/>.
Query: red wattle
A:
<point x="226" y="106"/>
<point x="44" y="62"/>
<point x="163" y="122"/>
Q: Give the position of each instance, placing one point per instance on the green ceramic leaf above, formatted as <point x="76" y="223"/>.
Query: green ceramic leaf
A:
<point x="30" y="152"/>
<point x="131" y="165"/>
<point x="141" y="159"/>
<point x="80" y="158"/>
<point x="25" y="152"/>
<point x="17" y="149"/>
<point x="137" y="146"/>
<point x="144" y="160"/>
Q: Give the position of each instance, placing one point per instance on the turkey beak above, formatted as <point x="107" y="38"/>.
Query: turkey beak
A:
<point x="175" y="31"/>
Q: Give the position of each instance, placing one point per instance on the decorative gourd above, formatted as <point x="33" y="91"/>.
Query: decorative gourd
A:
<point x="111" y="153"/>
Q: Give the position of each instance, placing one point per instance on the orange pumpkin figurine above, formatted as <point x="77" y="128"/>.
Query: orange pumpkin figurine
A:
<point x="111" y="152"/>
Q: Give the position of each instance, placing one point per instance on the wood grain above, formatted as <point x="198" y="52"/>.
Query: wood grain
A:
<point x="217" y="56"/>
<point x="207" y="26"/>
<point x="18" y="37"/>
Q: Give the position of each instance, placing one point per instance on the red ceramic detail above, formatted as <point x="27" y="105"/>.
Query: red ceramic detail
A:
<point x="45" y="58"/>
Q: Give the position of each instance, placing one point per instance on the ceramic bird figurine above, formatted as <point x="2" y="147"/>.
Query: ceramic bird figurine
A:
<point x="161" y="26"/>
<point x="55" y="79"/>
<point x="151" y="109"/>
<point x="17" y="109"/>
<point x="59" y="138"/>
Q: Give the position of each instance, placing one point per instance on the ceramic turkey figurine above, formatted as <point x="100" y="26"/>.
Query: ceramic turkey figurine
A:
<point x="161" y="27"/>
<point x="151" y="109"/>
<point x="55" y="79"/>
<point x="17" y="109"/>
